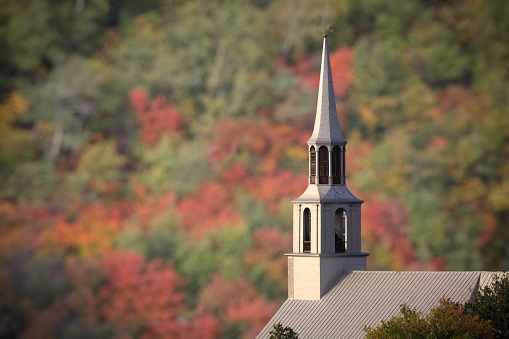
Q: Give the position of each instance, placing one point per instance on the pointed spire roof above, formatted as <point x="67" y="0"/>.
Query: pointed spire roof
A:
<point x="326" y="129"/>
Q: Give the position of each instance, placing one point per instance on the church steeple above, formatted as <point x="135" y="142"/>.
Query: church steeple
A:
<point x="326" y="129"/>
<point x="327" y="144"/>
<point x="327" y="216"/>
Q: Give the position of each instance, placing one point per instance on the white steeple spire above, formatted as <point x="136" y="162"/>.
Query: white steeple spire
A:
<point x="326" y="129"/>
<point x="327" y="216"/>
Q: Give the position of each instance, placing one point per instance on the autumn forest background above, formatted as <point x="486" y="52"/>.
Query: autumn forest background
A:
<point x="149" y="151"/>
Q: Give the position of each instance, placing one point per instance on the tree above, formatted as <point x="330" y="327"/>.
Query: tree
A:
<point x="492" y="303"/>
<point x="447" y="320"/>
<point x="280" y="332"/>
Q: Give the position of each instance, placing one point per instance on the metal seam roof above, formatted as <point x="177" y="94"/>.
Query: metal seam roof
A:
<point x="359" y="298"/>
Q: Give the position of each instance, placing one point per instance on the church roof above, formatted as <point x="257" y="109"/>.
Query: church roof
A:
<point x="326" y="130"/>
<point x="359" y="298"/>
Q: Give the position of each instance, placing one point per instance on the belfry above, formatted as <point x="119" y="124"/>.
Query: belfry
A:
<point x="327" y="216"/>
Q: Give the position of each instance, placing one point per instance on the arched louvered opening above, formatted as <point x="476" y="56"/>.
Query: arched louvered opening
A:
<point x="336" y="165"/>
<point x="339" y="230"/>
<point x="343" y="171"/>
<point x="312" y="165"/>
<point x="307" y="231"/>
<point x="323" y="165"/>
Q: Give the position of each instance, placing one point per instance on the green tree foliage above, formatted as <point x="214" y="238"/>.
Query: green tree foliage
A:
<point x="280" y="332"/>
<point x="447" y="320"/>
<point x="491" y="303"/>
<point x="37" y="35"/>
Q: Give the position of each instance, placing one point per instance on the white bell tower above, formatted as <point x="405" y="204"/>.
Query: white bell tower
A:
<point x="327" y="216"/>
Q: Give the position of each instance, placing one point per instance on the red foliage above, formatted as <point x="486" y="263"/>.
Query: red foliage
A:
<point x="455" y="97"/>
<point x="234" y="175"/>
<point x="256" y="313"/>
<point x="271" y="189"/>
<point x="237" y="300"/>
<point x="269" y="246"/>
<point x="210" y="208"/>
<point x="490" y="228"/>
<point x="137" y="291"/>
<point x="437" y="143"/>
<point x="384" y="225"/>
<point x="156" y="116"/>
<point x="220" y="294"/>
<point x="260" y="139"/>
<point x="204" y="326"/>
<point x="14" y="230"/>
<point x="341" y="61"/>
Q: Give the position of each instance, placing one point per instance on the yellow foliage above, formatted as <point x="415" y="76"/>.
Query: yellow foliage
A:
<point x="499" y="196"/>
<point x="368" y="116"/>
<point x="296" y="153"/>
<point x="13" y="142"/>
<point x="12" y="107"/>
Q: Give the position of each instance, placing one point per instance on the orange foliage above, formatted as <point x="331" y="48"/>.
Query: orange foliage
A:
<point x="356" y="155"/>
<point x="146" y="207"/>
<point x="156" y="116"/>
<point x="261" y="139"/>
<point x="137" y="291"/>
<point x="92" y="231"/>
<point x="210" y="208"/>
<point x="271" y="189"/>
<point x="96" y="225"/>
<point x="269" y="246"/>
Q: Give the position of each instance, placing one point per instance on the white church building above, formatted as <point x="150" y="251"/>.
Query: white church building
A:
<point x="330" y="293"/>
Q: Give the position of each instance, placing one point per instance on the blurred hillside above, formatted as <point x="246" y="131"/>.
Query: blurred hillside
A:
<point x="149" y="152"/>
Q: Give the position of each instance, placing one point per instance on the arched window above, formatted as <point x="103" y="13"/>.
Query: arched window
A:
<point x="323" y="165"/>
<point x="336" y="165"/>
<point x="307" y="231"/>
<point x="312" y="172"/>
<point x="339" y="230"/>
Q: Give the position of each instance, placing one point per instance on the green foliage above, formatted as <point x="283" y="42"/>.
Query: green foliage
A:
<point x="99" y="166"/>
<point x="280" y="332"/>
<point x="35" y="35"/>
<point x="192" y="257"/>
<point x="491" y="303"/>
<point x="448" y="320"/>
<point x="172" y="164"/>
